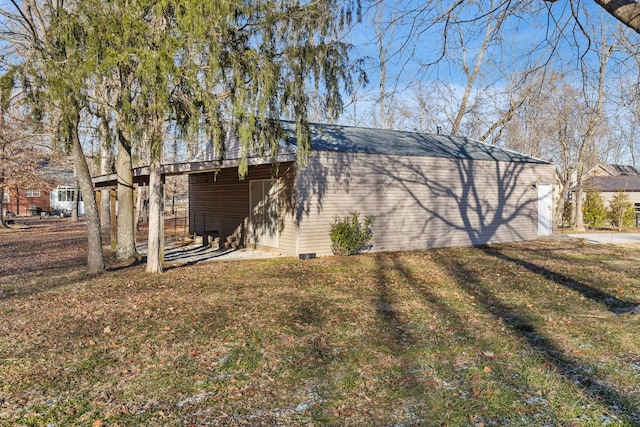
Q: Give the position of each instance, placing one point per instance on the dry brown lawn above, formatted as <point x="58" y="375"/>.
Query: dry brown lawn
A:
<point x="536" y="333"/>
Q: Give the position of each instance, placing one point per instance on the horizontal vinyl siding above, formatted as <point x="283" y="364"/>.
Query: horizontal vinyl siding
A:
<point x="288" y="229"/>
<point x="632" y="197"/>
<point x="221" y="201"/>
<point x="419" y="202"/>
<point x="217" y="205"/>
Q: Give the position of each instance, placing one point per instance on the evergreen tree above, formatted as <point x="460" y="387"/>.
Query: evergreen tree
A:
<point x="595" y="214"/>
<point x="203" y="67"/>
<point x="53" y="75"/>
<point x="209" y="66"/>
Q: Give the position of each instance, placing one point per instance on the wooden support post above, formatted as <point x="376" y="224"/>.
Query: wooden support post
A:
<point x="162" y="249"/>
<point x="136" y="194"/>
<point x="98" y="196"/>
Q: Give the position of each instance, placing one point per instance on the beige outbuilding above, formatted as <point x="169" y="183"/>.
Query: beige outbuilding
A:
<point x="420" y="190"/>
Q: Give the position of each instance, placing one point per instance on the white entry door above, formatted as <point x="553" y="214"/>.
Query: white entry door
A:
<point x="263" y="195"/>
<point x="545" y="210"/>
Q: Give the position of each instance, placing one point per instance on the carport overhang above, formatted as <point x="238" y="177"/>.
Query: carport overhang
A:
<point x="141" y="174"/>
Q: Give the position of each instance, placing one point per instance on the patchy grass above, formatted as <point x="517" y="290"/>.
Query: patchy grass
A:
<point x="524" y="334"/>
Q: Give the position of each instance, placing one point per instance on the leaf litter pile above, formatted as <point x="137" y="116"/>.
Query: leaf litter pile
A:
<point x="536" y="333"/>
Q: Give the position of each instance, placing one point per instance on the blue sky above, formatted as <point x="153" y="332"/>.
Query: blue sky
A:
<point x="552" y="39"/>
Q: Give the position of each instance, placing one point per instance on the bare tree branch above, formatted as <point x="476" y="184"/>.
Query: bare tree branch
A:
<point x="625" y="11"/>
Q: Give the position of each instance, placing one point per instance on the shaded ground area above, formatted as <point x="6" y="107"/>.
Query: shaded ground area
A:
<point x="178" y="253"/>
<point x="536" y="333"/>
<point x="181" y="250"/>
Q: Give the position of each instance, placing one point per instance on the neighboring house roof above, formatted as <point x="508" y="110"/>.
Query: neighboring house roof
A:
<point x="614" y="170"/>
<point x="613" y="183"/>
<point x="617" y="170"/>
<point x="377" y="141"/>
<point x="56" y="174"/>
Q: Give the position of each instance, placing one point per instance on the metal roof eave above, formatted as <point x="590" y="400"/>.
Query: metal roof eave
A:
<point x="141" y="174"/>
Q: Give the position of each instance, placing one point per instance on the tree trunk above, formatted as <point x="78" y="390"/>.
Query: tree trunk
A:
<point x="95" y="258"/>
<point x="106" y="167"/>
<point x="126" y="247"/>
<point x="560" y="203"/>
<point x="578" y="221"/>
<point x="17" y="201"/>
<point x="141" y="206"/>
<point x="3" y="224"/>
<point x="155" y="245"/>
<point x="76" y="202"/>
<point x="490" y="31"/>
<point x="625" y="11"/>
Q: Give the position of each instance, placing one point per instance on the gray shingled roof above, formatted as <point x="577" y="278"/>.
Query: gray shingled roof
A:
<point x="613" y="183"/>
<point x="377" y="141"/>
<point x="617" y="170"/>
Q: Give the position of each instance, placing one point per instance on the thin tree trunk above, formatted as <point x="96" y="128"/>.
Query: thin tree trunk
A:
<point x="155" y="246"/>
<point x="3" y="223"/>
<point x="76" y="201"/>
<point x="561" y="200"/>
<point x="472" y="75"/>
<point x="589" y="137"/>
<point x="126" y="247"/>
<point x="577" y="218"/>
<point x="140" y="215"/>
<point x="95" y="258"/>
<point x="107" y="142"/>
<point x="106" y="162"/>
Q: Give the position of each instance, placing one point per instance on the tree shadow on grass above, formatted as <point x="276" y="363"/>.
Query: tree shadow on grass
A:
<point x="570" y="368"/>
<point x="397" y="332"/>
<point x="612" y="303"/>
<point x="397" y="335"/>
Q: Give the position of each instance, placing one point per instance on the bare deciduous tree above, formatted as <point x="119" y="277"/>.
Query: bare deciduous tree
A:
<point x="20" y="152"/>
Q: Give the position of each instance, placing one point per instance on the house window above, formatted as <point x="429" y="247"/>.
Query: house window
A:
<point x="5" y="198"/>
<point x="32" y="193"/>
<point x="66" y="194"/>
<point x="637" y="206"/>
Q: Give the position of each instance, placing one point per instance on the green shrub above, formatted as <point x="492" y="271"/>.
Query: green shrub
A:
<point x="595" y="214"/>
<point x="349" y="235"/>
<point x="622" y="213"/>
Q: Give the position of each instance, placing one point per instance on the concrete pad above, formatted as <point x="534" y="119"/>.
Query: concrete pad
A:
<point x="612" y="238"/>
<point x="180" y="253"/>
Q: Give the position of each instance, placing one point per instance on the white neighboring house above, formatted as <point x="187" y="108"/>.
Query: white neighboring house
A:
<point x="62" y="200"/>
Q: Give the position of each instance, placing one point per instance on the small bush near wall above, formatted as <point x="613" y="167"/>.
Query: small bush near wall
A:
<point x="595" y="214"/>
<point x="622" y="213"/>
<point x="349" y="235"/>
